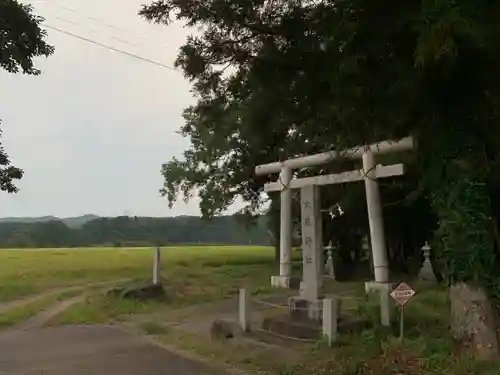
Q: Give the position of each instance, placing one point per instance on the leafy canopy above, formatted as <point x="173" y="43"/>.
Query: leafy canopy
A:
<point x="21" y="41"/>
<point x="276" y="79"/>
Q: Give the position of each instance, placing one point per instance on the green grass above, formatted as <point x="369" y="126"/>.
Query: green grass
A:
<point x="153" y="328"/>
<point x="98" y="308"/>
<point x="194" y="275"/>
<point x="31" y="271"/>
<point x="427" y="349"/>
<point x="191" y="275"/>
<point x="184" y="286"/>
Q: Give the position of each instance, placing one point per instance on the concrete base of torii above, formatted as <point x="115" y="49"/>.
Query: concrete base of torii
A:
<point x="281" y="281"/>
<point x="386" y="302"/>
<point x="285" y="282"/>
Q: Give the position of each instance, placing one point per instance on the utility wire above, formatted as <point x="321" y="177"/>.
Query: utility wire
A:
<point x="129" y="54"/>
<point x="53" y="3"/>
<point x="94" y="19"/>
<point x="94" y="30"/>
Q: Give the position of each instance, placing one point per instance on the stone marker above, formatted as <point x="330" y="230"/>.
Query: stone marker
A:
<point x="156" y="267"/>
<point x="331" y="315"/>
<point x="312" y="246"/>
<point x="243" y="310"/>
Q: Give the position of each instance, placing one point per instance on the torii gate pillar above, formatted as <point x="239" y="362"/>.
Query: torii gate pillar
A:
<point x="283" y="280"/>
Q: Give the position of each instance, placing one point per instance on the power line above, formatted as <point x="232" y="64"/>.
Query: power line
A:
<point x="94" y="30"/>
<point x="129" y="54"/>
<point x="94" y="19"/>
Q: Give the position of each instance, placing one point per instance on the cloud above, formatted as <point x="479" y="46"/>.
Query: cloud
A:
<point x="92" y="131"/>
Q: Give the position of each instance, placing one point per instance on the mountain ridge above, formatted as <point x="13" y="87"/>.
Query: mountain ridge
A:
<point x="72" y="222"/>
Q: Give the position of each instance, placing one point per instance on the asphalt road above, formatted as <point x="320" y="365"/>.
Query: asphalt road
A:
<point x="89" y="350"/>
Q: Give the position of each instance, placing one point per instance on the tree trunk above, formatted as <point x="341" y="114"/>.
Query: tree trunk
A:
<point x="473" y="321"/>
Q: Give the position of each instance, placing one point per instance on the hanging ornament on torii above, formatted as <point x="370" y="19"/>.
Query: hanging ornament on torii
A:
<point x="334" y="211"/>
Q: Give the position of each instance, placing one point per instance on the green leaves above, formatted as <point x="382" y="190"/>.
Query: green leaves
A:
<point x="8" y="173"/>
<point x="446" y="25"/>
<point x="21" y="38"/>
<point x="285" y="78"/>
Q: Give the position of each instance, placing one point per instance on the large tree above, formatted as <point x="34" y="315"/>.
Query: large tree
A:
<point x="21" y="40"/>
<point x="278" y="78"/>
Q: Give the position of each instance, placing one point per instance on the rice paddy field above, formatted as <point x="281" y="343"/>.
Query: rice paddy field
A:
<point x="196" y="270"/>
<point x="40" y="287"/>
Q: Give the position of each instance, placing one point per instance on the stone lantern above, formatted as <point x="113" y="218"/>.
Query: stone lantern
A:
<point x="329" y="267"/>
<point x="426" y="273"/>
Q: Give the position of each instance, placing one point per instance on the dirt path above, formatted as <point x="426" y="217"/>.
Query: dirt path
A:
<point x="31" y="349"/>
<point x="44" y="316"/>
<point x="5" y="306"/>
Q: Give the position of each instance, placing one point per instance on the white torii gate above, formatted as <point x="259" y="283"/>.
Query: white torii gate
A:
<point x="370" y="173"/>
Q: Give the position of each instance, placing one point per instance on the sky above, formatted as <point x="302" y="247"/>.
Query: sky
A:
<point x="92" y="131"/>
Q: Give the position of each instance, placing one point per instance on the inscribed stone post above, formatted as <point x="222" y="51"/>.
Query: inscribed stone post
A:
<point x="312" y="243"/>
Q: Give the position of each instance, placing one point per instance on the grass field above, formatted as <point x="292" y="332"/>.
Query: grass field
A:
<point x="189" y="270"/>
<point x="195" y="275"/>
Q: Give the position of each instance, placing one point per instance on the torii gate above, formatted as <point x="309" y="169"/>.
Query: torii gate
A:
<point x="370" y="173"/>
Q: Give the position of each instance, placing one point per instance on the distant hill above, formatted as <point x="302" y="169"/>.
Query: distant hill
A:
<point x="91" y="230"/>
<point x="72" y="222"/>
<point x="77" y="222"/>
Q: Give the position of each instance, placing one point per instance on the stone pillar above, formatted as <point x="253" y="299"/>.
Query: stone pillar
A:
<point x="244" y="310"/>
<point x="387" y="306"/>
<point x="312" y="243"/>
<point x="375" y="219"/>
<point x="331" y="315"/>
<point x="283" y="280"/>
<point x="426" y="273"/>
<point x="156" y="267"/>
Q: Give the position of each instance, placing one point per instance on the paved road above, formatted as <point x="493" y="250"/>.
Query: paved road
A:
<point x="89" y="350"/>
